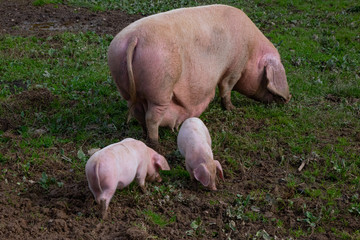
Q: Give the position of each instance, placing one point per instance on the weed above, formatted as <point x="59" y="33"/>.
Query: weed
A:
<point x="298" y="233"/>
<point x="262" y="234"/>
<point x="26" y="168"/>
<point x="45" y="181"/>
<point x="3" y="158"/>
<point x="238" y="210"/>
<point x="310" y="219"/>
<point x="355" y="205"/>
<point x="196" y="228"/>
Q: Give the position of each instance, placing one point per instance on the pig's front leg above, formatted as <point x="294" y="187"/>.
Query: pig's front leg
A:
<point x="141" y="176"/>
<point x="190" y="171"/>
<point x="226" y="102"/>
<point x="225" y="87"/>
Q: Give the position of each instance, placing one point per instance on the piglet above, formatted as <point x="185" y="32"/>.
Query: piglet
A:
<point x="194" y="143"/>
<point x="116" y="166"/>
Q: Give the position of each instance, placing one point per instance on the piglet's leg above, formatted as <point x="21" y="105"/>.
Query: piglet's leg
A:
<point x="104" y="200"/>
<point x="103" y="209"/>
<point x="141" y="175"/>
<point x="190" y="171"/>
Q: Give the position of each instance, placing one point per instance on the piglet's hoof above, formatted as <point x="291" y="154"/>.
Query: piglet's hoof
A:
<point x="143" y="189"/>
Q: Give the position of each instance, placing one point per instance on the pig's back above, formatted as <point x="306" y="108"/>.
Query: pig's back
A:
<point x="119" y="161"/>
<point x="193" y="136"/>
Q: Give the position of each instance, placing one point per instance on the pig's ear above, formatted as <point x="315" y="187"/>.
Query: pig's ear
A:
<point x="219" y="170"/>
<point x="276" y="81"/>
<point x="160" y="162"/>
<point x="202" y="174"/>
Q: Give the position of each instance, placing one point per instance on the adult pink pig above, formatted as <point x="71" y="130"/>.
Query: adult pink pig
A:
<point x="167" y="66"/>
<point x="116" y="166"/>
<point x="194" y="143"/>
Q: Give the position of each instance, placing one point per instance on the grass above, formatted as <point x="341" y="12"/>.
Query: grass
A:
<point x="158" y="219"/>
<point x="320" y="49"/>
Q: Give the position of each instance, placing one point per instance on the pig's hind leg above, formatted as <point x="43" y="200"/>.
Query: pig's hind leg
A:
<point x="153" y="118"/>
<point x="139" y="114"/>
<point x="103" y="208"/>
<point x="104" y="200"/>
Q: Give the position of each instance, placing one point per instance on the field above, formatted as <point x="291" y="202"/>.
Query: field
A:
<point x="291" y="171"/>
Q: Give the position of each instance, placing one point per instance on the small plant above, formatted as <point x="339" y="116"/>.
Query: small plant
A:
<point x="310" y="219"/>
<point x="26" y="168"/>
<point x="2" y="159"/>
<point x="355" y="205"/>
<point x="196" y="226"/>
<point x="164" y="190"/>
<point x="81" y="155"/>
<point x="262" y="234"/>
<point x="45" y="181"/>
<point x="238" y="210"/>
<point x="3" y="174"/>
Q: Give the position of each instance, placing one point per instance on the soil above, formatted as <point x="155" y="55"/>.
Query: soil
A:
<point x="65" y="208"/>
<point x="20" y="17"/>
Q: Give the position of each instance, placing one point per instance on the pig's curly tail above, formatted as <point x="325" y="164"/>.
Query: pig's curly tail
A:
<point x="97" y="175"/>
<point x="132" y="87"/>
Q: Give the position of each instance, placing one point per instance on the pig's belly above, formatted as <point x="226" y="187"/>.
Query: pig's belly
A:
<point x="127" y="174"/>
<point x="177" y="113"/>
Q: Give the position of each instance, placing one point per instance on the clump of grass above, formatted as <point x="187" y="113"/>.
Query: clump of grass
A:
<point x="43" y="2"/>
<point x="144" y="7"/>
<point x="158" y="219"/>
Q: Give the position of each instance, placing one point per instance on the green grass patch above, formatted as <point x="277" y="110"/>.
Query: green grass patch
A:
<point x="158" y="219"/>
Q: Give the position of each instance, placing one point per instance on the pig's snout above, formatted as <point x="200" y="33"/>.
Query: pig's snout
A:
<point x="269" y="97"/>
<point x="287" y="100"/>
<point x="279" y="99"/>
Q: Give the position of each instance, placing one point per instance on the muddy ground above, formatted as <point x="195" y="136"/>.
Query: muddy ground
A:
<point x="69" y="212"/>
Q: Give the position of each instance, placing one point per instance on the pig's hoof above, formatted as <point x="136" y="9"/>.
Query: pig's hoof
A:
<point x="143" y="189"/>
<point x="230" y="107"/>
<point x="103" y="209"/>
<point x="153" y="144"/>
<point x="227" y="104"/>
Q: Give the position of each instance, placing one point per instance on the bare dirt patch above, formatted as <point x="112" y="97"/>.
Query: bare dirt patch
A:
<point x="20" y="17"/>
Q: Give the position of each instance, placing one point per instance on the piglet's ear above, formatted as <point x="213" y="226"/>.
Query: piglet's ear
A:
<point x="219" y="170"/>
<point x="160" y="162"/>
<point x="202" y="174"/>
<point x="276" y="83"/>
